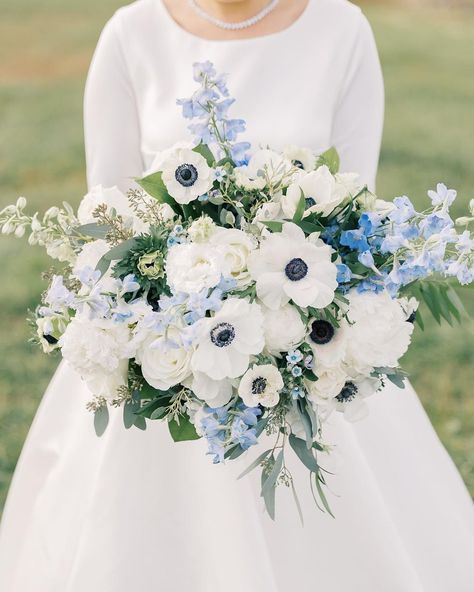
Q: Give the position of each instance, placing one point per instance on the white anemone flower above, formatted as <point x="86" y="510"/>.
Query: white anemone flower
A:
<point x="351" y="399"/>
<point x="186" y="175"/>
<point x="287" y="267"/>
<point x="329" y="343"/>
<point x="302" y="158"/>
<point x="261" y="385"/>
<point x="264" y="166"/>
<point x="321" y="192"/>
<point x="215" y="393"/>
<point x="192" y="267"/>
<point x="226" y="341"/>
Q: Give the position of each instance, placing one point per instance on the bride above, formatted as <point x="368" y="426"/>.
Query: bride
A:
<point x="132" y="510"/>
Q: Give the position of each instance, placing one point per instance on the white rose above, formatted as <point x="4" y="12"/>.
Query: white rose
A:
<point x="98" y="350"/>
<point x="192" y="267"/>
<point x="379" y="333"/>
<point x="164" y="365"/>
<point x="235" y="247"/>
<point x="283" y="328"/>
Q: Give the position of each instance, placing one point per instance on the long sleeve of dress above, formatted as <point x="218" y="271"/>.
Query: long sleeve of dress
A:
<point x="358" y="122"/>
<point x="111" y="124"/>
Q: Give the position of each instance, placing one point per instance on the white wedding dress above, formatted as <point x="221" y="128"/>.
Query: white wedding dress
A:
<point x="132" y="510"/>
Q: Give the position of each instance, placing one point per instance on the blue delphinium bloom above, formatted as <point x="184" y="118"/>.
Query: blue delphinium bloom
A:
<point x="442" y="195"/>
<point x="329" y="233"/>
<point x="58" y="296"/>
<point x="371" y="284"/>
<point x="249" y="415"/>
<point x="404" y="210"/>
<point x="242" y="434"/>
<point x="369" y="222"/>
<point x="355" y="239"/>
<point x="435" y="223"/>
<point x="344" y="274"/>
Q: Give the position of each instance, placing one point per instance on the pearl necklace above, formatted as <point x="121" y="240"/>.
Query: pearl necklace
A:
<point x="234" y="26"/>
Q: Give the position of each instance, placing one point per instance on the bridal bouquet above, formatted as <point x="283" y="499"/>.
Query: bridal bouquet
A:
<point x="237" y="294"/>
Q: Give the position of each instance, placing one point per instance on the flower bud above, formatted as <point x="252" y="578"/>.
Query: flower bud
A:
<point x="21" y="203"/>
<point x="19" y="231"/>
<point x="8" y="228"/>
<point x="463" y="221"/>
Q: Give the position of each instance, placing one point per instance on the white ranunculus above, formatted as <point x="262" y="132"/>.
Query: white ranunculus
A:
<point x="192" y="267"/>
<point x="235" y="247"/>
<point x="98" y="350"/>
<point x="186" y="175"/>
<point x="261" y="385"/>
<point x="379" y="333"/>
<point x="329" y="343"/>
<point x="214" y="392"/>
<point x="284" y="329"/>
<point x="164" y="364"/>
<point x="321" y="192"/>
<point x="226" y="341"/>
<point x="264" y="166"/>
<point x="112" y="197"/>
<point x="302" y="158"/>
<point x="289" y="267"/>
<point x="202" y="229"/>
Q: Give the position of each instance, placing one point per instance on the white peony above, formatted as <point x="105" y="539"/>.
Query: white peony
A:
<point x="226" y="341"/>
<point x="113" y="198"/>
<point x="287" y="267"/>
<point x="264" y="167"/>
<point x="379" y="332"/>
<point x="215" y="393"/>
<point x="302" y="158"/>
<point x="235" y="247"/>
<point x="99" y="351"/>
<point x="284" y="329"/>
<point x="164" y="364"/>
<point x="186" y="175"/>
<point x="329" y="384"/>
<point x="320" y="189"/>
<point x="261" y="385"/>
<point x="194" y="266"/>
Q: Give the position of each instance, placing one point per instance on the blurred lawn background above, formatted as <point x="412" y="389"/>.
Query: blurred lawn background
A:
<point x="45" y="48"/>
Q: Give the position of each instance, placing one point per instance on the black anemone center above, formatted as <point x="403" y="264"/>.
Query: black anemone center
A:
<point x="298" y="164"/>
<point x="186" y="174"/>
<point x="296" y="269"/>
<point x="50" y="339"/>
<point x="321" y="332"/>
<point x="222" y="335"/>
<point x="310" y="202"/>
<point x="348" y="393"/>
<point x="259" y="385"/>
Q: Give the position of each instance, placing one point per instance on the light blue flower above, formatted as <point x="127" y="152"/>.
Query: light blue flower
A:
<point x="241" y="433"/>
<point x="369" y="222"/>
<point x="367" y="259"/>
<point x="202" y="70"/>
<point x="355" y="239"/>
<point x="294" y="356"/>
<point x="296" y="393"/>
<point x="403" y="211"/>
<point x="344" y="274"/>
<point x="58" y="296"/>
<point x="249" y="415"/>
<point x="309" y="362"/>
<point x="296" y="371"/>
<point x="129" y="284"/>
<point x="435" y="223"/>
<point x="442" y="195"/>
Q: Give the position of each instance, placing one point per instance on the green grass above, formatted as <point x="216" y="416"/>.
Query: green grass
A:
<point x="46" y="46"/>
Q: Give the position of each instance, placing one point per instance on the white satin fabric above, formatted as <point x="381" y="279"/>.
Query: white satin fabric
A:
<point x="132" y="510"/>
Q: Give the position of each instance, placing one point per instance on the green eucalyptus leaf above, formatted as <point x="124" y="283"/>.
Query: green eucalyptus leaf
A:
<point x="322" y="496"/>
<point x="255" y="463"/>
<point x="94" y="230"/>
<point x="182" y="431"/>
<point x="205" y="151"/>
<point x="306" y="456"/>
<point x="273" y="225"/>
<point x="272" y="476"/>
<point x="101" y="420"/>
<point x="269" y="499"/>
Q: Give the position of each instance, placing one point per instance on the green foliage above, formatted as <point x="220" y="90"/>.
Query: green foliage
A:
<point x="330" y="158"/>
<point x="182" y="430"/>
